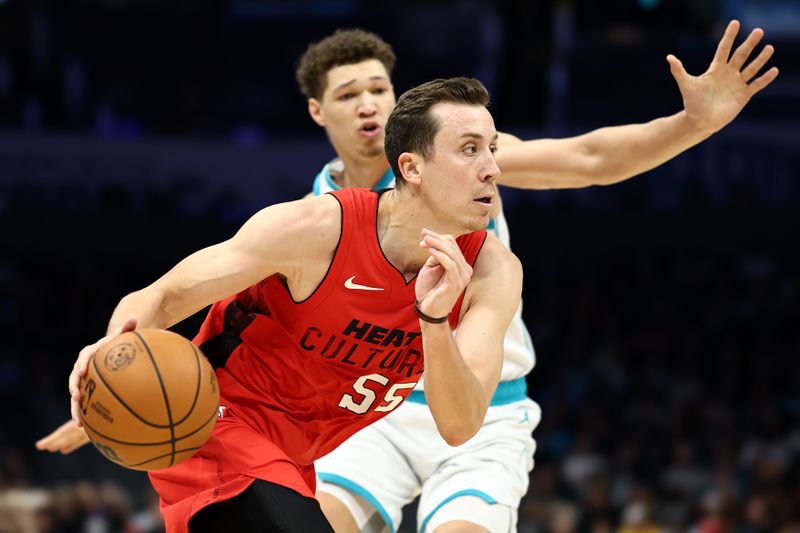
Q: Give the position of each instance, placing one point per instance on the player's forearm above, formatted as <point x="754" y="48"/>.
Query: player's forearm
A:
<point x="621" y="152"/>
<point x="204" y="277"/>
<point x="455" y="396"/>
<point x="600" y="157"/>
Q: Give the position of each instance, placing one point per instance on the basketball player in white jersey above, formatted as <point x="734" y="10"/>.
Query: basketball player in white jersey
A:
<point x="365" y="483"/>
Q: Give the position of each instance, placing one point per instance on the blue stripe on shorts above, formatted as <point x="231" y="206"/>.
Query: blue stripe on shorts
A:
<point x="355" y="488"/>
<point x="468" y="492"/>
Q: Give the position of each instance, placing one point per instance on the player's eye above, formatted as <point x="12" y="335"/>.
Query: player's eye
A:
<point x="378" y="90"/>
<point x="493" y="148"/>
<point x="345" y="96"/>
<point x="470" y="149"/>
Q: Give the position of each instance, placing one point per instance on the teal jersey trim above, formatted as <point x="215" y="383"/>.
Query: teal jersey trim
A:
<point x="386" y="181"/>
<point x="468" y="492"/>
<point x="492" y="227"/>
<point x="317" y="188"/>
<point x="328" y="179"/>
<point x="507" y="392"/>
<point x="324" y="178"/>
<point x="361" y="491"/>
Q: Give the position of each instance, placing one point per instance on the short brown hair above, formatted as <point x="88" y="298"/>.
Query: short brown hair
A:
<point x="345" y="47"/>
<point x="411" y="126"/>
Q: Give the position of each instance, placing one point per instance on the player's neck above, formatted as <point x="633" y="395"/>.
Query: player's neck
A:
<point x="400" y="223"/>
<point x="362" y="172"/>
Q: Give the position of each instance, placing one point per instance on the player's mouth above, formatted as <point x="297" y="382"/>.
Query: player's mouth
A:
<point x="370" y="129"/>
<point x="485" y="200"/>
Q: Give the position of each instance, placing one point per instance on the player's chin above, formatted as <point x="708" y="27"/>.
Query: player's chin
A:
<point x="374" y="149"/>
<point x="477" y="223"/>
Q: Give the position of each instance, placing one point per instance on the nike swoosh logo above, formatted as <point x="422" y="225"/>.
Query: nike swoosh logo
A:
<point x="350" y="285"/>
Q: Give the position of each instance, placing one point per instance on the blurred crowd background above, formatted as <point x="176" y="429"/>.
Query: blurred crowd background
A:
<point x="664" y="310"/>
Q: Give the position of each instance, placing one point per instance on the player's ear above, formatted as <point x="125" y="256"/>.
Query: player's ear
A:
<point x="410" y="165"/>
<point x="315" y="110"/>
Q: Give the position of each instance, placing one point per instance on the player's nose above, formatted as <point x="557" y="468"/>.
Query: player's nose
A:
<point x="490" y="169"/>
<point x="367" y="106"/>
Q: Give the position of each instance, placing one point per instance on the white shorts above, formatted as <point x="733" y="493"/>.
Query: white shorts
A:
<point x="392" y="461"/>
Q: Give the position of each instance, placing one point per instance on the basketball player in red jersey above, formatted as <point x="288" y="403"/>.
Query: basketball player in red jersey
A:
<point x="341" y="81"/>
<point x="324" y="309"/>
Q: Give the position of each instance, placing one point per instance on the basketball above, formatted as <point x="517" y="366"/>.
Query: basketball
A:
<point x="149" y="399"/>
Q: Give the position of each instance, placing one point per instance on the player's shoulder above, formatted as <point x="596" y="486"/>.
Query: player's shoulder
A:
<point x="316" y="218"/>
<point x="496" y="260"/>
<point x="496" y="277"/>
<point x="318" y="211"/>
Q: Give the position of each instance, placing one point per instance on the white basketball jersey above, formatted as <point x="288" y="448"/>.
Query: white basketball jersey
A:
<point x="519" y="357"/>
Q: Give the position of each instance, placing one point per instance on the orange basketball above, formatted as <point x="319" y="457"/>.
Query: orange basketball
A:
<point x="149" y="399"/>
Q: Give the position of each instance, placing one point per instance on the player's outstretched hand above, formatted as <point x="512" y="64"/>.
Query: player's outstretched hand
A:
<point x="66" y="439"/>
<point x="714" y="98"/>
<point x="82" y="363"/>
<point x="444" y="275"/>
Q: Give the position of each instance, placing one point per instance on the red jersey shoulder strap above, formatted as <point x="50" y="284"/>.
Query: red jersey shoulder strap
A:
<point x="359" y="209"/>
<point x="471" y="245"/>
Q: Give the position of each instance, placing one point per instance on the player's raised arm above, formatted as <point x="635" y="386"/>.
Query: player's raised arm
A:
<point x="609" y="155"/>
<point x="273" y="241"/>
<point x="461" y="373"/>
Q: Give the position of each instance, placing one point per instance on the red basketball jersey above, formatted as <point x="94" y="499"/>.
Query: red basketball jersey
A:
<point x="298" y="378"/>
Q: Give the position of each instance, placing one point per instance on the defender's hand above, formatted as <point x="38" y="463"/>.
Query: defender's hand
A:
<point x="444" y="275"/>
<point x="714" y="98"/>
<point x="66" y="439"/>
<point x="82" y="363"/>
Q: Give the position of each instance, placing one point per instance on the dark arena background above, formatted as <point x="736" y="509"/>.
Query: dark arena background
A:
<point x="664" y="310"/>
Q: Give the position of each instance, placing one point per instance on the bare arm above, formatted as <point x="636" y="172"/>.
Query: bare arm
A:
<point x="265" y="245"/>
<point x="462" y="372"/>
<point x="65" y="439"/>
<point x="295" y="239"/>
<point x="610" y="155"/>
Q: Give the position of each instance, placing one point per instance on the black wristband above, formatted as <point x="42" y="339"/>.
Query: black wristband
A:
<point x="427" y="318"/>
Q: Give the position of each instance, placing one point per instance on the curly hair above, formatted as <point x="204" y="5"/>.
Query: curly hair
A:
<point x="345" y="47"/>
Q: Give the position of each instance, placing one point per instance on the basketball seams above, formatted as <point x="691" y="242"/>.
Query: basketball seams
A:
<point x="197" y="390"/>
<point x="199" y="428"/>
<point x="164" y="393"/>
<point x="188" y="432"/>
<point x="165" y="455"/>
<point x="161" y="443"/>
<point x="111" y="390"/>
